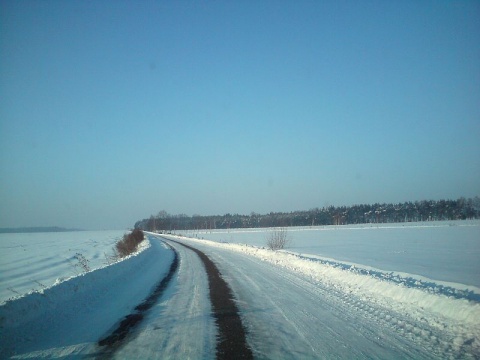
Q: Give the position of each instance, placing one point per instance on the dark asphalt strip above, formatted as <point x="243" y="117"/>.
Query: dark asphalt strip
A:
<point x="231" y="343"/>
<point x="116" y="339"/>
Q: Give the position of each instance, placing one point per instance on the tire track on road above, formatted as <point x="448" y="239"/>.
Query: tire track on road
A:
<point x="231" y="343"/>
<point x="111" y="343"/>
<point x="325" y="325"/>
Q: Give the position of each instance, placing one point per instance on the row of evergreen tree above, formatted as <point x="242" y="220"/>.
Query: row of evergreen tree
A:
<point x="426" y="210"/>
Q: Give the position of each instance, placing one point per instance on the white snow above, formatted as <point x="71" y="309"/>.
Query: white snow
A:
<point x="336" y="292"/>
<point x="444" y="251"/>
<point x="32" y="261"/>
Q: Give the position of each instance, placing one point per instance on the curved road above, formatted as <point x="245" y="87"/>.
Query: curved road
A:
<point x="282" y="312"/>
<point x="181" y="324"/>
<point x="285" y="315"/>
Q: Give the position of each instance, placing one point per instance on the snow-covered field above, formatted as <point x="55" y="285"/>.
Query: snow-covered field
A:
<point x="32" y="261"/>
<point x="388" y="291"/>
<point x="443" y="251"/>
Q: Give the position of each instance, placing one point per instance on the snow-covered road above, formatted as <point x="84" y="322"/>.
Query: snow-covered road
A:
<point x="288" y="317"/>
<point x="180" y="325"/>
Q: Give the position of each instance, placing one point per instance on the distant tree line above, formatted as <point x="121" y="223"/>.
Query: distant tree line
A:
<point x="425" y="210"/>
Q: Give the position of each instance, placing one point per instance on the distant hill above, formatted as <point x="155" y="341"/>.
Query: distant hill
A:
<point x="35" y="229"/>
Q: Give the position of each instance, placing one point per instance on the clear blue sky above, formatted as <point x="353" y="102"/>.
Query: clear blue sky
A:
<point x="112" y="111"/>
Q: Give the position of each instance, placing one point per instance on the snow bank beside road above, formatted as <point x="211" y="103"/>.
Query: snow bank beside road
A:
<point x="353" y="282"/>
<point x="69" y="317"/>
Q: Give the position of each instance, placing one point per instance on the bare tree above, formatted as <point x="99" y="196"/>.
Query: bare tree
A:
<point x="278" y="239"/>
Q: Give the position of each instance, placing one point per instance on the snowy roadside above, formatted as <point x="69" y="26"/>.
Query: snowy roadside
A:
<point x="68" y="318"/>
<point x="443" y="251"/>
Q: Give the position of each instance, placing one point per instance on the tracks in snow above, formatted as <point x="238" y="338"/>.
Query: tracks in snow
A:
<point x="231" y="339"/>
<point x="288" y="315"/>
<point x="112" y="342"/>
<point x="191" y="314"/>
<point x="285" y="316"/>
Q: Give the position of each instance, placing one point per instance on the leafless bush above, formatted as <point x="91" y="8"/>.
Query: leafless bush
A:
<point x="129" y="243"/>
<point x="278" y="239"/>
<point x="82" y="262"/>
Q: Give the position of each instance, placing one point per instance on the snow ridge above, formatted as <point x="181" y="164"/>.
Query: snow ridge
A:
<point x="409" y="281"/>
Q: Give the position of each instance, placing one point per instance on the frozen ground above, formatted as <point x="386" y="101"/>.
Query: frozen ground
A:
<point x="298" y="304"/>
